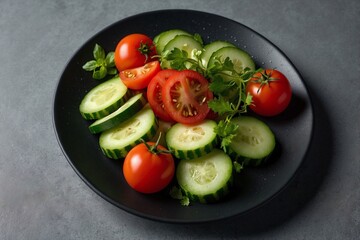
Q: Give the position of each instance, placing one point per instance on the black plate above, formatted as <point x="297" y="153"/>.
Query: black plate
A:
<point x="253" y="187"/>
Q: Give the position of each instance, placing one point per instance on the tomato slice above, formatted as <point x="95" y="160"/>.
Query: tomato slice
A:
<point x="154" y="94"/>
<point x="185" y="96"/>
<point x="139" y="78"/>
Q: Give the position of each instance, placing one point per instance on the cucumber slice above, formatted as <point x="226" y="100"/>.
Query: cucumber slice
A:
<point x="253" y="143"/>
<point x="182" y="42"/>
<point x="103" y="99"/>
<point x="116" y="142"/>
<point x="206" y="179"/>
<point x="126" y="111"/>
<point x="191" y="141"/>
<point x="239" y="58"/>
<point x="210" y="48"/>
<point x="163" y="38"/>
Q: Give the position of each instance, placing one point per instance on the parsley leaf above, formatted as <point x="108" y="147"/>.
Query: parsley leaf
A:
<point x="231" y="99"/>
<point x="177" y="58"/>
<point x="238" y="166"/>
<point x="221" y="106"/>
<point x="218" y="86"/>
<point x="176" y="193"/>
<point x="226" y="130"/>
<point x="198" y="38"/>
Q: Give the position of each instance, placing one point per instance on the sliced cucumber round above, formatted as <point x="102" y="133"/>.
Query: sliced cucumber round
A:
<point x="206" y="179"/>
<point x="126" y="111"/>
<point x="185" y="43"/>
<point x="210" y="48"/>
<point x="116" y="142"/>
<point x="191" y="141"/>
<point x="239" y="58"/>
<point x="103" y="99"/>
<point x="253" y="143"/>
<point x="164" y="37"/>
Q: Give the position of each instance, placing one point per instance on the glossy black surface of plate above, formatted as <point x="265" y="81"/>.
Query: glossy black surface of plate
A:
<point x="254" y="187"/>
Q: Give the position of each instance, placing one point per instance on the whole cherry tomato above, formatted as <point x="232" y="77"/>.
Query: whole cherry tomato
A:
<point x="148" y="167"/>
<point x="271" y="92"/>
<point x="133" y="51"/>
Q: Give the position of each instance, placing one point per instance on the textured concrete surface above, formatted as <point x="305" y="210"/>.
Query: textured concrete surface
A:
<point x="41" y="197"/>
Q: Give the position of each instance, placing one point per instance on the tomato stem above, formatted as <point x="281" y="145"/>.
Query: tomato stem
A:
<point x="154" y="148"/>
<point x="145" y="49"/>
<point x="264" y="79"/>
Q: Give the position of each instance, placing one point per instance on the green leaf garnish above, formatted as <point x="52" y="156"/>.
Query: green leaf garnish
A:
<point x="100" y="73"/>
<point x="112" y="71"/>
<point x="175" y="193"/>
<point x="98" y="52"/>
<point x="101" y="65"/>
<point x="185" y="201"/>
<point x="238" y="167"/>
<point x="110" y="59"/>
<point x="231" y="99"/>
<point x="198" y="38"/>
<point x="90" y="65"/>
<point x="226" y="130"/>
<point x="180" y="60"/>
<point x="221" y="106"/>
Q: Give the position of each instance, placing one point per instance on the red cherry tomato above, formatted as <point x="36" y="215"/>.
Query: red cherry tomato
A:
<point x="146" y="170"/>
<point x="133" y="51"/>
<point x="139" y="78"/>
<point x="185" y="96"/>
<point x="154" y="95"/>
<point x="271" y="92"/>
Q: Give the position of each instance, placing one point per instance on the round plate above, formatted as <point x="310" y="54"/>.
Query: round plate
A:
<point x="253" y="187"/>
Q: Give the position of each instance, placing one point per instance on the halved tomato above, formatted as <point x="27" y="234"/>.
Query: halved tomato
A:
<point x="139" y="78"/>
<point x="185" y="96"/>
<point x="154" y="94"/>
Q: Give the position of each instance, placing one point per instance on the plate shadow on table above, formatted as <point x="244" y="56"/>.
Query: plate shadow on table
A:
<point x="286" y="204"/>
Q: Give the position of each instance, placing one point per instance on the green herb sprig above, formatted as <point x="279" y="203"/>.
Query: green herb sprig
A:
<point x="102" y="65"/>
<point x="175" y="193"/>
<point x="231" y="99"/>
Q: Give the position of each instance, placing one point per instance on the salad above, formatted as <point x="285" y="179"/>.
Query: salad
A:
<point x="174" y="109"/>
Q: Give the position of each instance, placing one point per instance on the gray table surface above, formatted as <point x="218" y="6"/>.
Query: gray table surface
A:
<point x="41" y="197"/>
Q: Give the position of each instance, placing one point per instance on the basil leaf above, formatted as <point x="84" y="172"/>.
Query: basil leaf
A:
<point x="100" y="73"/>
<point x="112" y="71"/>
<point x="98" y="52"/>
<point x="90" y="65"/>
<point x="110" y="62"/>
